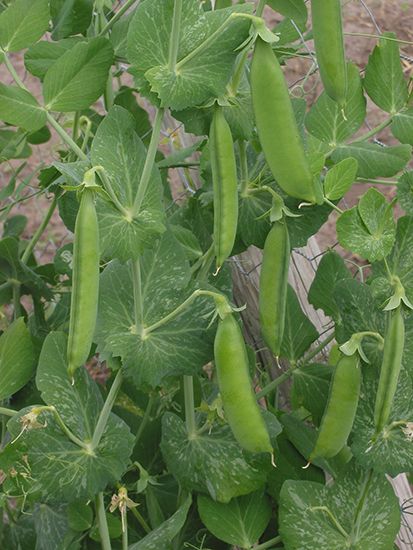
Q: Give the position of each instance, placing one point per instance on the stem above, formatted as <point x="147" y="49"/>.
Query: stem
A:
<point x="374" y="130"/>
<point x="239" y="71"/>
<point x="106" y="410"/>
<point x="145" y="419"/>
<point x="7" y="412"/>
<point x="149" y="161"/>
<point x="243" y="167"/>
<point x="333" y="206"/>
<point x="174" y="38"/>
<point x="125" y="531"/>
<point x="377" y="182"/>
<point x="141" y="520"/>
<point x="206" y="265"/>
<point x="260" y="7"/>
<point x="66" y="138"/>
<point x="13" y="72"/>
<point x="68" y="433"/>
<point x="117" y="16"/>
<point x="275" y="383"/>
<point x="362" y="500"/>
<point x="109" y="190"/>
<point x="388" y="270"/>
<point x="366" y="35"/>
<point x="319" y="348"/>
<point x="189" y="407"/>
<point x="102" y="523"/>
<point x="16" y="301"/>
<point x="39" y="232"/>
<point x="332" y="517"/>
<point x="268" y="543"/>
<point x="75" y="128"/>
<point x="137" y="294"/>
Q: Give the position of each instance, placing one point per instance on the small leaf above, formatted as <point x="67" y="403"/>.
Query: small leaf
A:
<point x="402" y="126"/>
<point x="20" y="108"/>
<point x="40" y="57"/>
<point x="70" y="17"/>
<point x="340" y="178"/>
<point x="384" y="80"/>
<point x="80" y="516"/>
<point x="240" y="522"/>
<point x="23" y="23"/>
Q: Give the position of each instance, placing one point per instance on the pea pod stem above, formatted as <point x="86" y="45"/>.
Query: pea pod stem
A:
<point x="102" y="522"/>
<point x="106" y="409"/>
<point x="333" y="206"/>
<point x="190" y="420"/>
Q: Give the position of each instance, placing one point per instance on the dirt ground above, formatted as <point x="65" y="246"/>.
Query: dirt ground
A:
<point x="361" y="16"/>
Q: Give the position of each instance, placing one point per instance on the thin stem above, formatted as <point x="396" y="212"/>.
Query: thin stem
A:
<point x="260" y="7"/>
<point x="86" y="132"/>
<point x="367" y="35"/>
<point x="117" y="16"/>
<point x="149" y="161"/>
<point x="102" y="523"/>
<point x="174" y="38"/>
<point x="268" y="544"/>
<point x="69" y="434"/>
<point x="66" y="138"/>
<point x="374" y="130"/>
<point x="141" y="520"/>
<point x="125" y="531"/>
<point x="75" y="127"/>
<point x="239" y="71"/>
<point x="189" y="406"/>
<point x="39" y="232"/>
<point x="334" y="520"/>
<point x="333" y="206"/>
<point x="106" y="410"/>
<point x="363" y="181"/>
<point x="13" y="72"/>
<point x="7" y="412"/>
<point x="137" y="294"/>
<point x="145" y="419"/>
<point x="388" y="270"/>
<point x="319" y="348"/>
<point x="207" y="263"/>
<point x="109" y="190"/>
<point x="275" y="383"/>
<point x="16" y="301"/>
<point x="243" y="167"/>
<point x="362" y="501"/>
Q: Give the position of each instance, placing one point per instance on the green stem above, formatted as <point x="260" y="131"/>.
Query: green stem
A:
<point x="189" y="407"/>
<point x="333" y="206"/>
<point x="118" y="15"/>
<point x="268" y="544"/>
<point x="106" y="410"/>
<point x="243" y="167"/>
<point x="16" y="301"/>
<point x="374" y="130"/>
<point x="174" y="38"/>
<point x="319" y="348"/>
<point x="39" y="232"/>
<point x="109" y="190"/>
<point x="145" y="419"/>
<point x="102" y="523"/>
<point x="389" y="273"/>
<point x="75" y="127"/>
<point x="275" y="383"/>
<point x="141" y="520"/>
<point x="68" y="433"/>
<point x="137" y="294"/>
<point x="66" y="138"/>
<point x="238" y="73"/>
<point x="7" y="412"/>
<point x="260" y="7"/>
<point x="86" y="132"/>
<point x="149" y="161"/>
<point x="361" y="503"/>
<point x="376" y="182"/>
<point x="335" y="521"/>
<point x="13" y="72"/>
<point x="366" y="35"/>
<point x="125" y="531"/>
<point x="207" y="263"/>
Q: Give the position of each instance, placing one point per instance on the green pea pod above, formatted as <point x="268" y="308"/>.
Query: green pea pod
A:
<point x="329" y="47"/>
<point x="85" y="286"/>
<point x="238" y="398"/>
<point x="277" y="128"/>
<point x="341" y="408"/>
<point x="390" y="368"/>
<point x="225" y="184"/>
<point x="273" y="286"/>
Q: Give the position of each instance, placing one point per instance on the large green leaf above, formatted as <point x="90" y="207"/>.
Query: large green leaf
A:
<point x="78" y="78"/>
<point x="40" y="57"/>
<point x="70" y="17"/>
<point x="181" y="346"/>
<point x="384" y="80"/>
<point x="325" y="119"/>
<point x="209" y="463"/>
<point x="20" y="108"/>
<point x="310" y="389"/>
<point x="119" y="150"/>
<point x="23" y="23"/>
<point x="347" y="514"/>
<point x="199" y="75"/>
<point x="240" y="522"/>
<point x="52" y="528"/>
<point x="17" y="360"/>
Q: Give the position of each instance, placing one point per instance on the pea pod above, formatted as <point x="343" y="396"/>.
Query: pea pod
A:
<point x="85" y="285"/>
<point x="225" y="184"/>
<point x="390" y="368"/>
<point x="238" y="398"/>
<point x="273" y="286"/>
<point x="277" y="128"/>
<point x="341" y="408"/>
<point x="329" y="47"/>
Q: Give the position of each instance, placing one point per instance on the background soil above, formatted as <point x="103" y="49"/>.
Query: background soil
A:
<point x="362" y="16"/>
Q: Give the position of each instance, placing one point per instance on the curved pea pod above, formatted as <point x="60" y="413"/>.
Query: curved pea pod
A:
<point x="240" y="405"/>
<point x="225" y="184"/>
<point x="329" y="47"/>
<point x="277" y="128"/>
<point x="341" y="408"/>
<point x="390" y="368"/>
<point x="85" y="285"/>
<point x="273" y="286"/>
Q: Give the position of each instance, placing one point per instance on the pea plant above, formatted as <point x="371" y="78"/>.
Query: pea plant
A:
<point x="133" y="414"/>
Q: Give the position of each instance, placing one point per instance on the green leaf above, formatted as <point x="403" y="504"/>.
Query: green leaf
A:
<point x="368" y="229"/>
<point x="310" y="389"/>
<point x="373" y="159"/>
<point x="122" y="237"/>
<point x="299" y="331"/>
<point x="52" y="528"/>
<point x="163" y="535"/>
<point x="331" y="269"/>
<point x="181" y="346"/>
<point x="293" y="9"/>
<point x="188" y="241"/>
<point x="78" y="78"/>
<point x="340" y="178"/>
<point x="390" y="451"/>
<point x="347" y="514"/>
<point x="209" y="463"/>
<point x="384" y="80"/>
<point x="325" y="119"/>
<point x="20" y="108"/>
<point x="70" y="17"/>
<point x="17" y="360"/>
<point x="40" y="57"/>
<point x="59" y="468"/>
<point x="307" y="224"/>
<point x="252" y="229"/>
<point x="13" y="145"/>
<point x="80" y="516"/>
<point x="402" y="126"/>
<point x="198" y="77"/>
<point x="240" y="522"/>
<point x="23" y="23"/>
